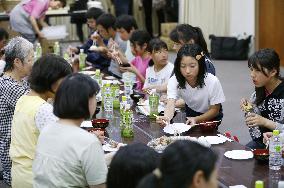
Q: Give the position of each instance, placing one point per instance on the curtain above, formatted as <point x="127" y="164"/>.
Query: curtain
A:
<point x="212" y="16"/>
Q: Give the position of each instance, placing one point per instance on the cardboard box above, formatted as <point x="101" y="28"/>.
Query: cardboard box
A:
<point x="166" y="28"/>
<point x="168" y="41"/>
<point x="47" y="46"/>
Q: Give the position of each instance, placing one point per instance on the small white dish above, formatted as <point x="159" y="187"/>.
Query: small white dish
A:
<point x="239" y="154"/>
<point x="108" y="148"/>
<point x="214" y="140"/>
<point x="86" y="124"/>
<point x="88" y="72"/>
<point x="178" y="127"/>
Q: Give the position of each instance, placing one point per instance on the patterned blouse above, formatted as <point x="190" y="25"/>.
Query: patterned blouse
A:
<point x="10" y="91"/>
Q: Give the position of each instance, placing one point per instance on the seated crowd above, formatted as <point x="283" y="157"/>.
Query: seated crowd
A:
<point x="43" y="103"/>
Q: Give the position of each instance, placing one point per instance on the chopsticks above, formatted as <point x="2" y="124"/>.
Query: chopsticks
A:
<point x="162" y="119"/>
<point x="204" y="123"/>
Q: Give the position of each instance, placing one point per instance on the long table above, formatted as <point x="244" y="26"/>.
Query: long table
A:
<point x="231" y="172"/>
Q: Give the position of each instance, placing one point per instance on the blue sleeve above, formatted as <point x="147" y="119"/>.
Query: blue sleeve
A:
<point x="86" y="46"/>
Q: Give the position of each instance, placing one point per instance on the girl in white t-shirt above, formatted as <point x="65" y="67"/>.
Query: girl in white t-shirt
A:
<point x="159" y="71"/>
<point x="201" y="91"/>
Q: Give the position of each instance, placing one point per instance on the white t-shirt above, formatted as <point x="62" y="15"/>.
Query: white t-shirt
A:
<point x="198" y="99"/>
<point x="128" y="52"/>
<point x="68" y="156"/>
<point x="154" y="78"/>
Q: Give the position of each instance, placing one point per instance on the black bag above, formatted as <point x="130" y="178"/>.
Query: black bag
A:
<point x="229" y="48"/>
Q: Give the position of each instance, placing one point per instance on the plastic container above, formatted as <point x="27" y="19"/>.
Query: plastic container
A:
<point x="275" y="154"/>
<point x="108" y="101"/>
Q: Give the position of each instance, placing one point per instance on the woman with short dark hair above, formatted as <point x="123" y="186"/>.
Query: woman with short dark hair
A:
<point x="19" y="60"/>
<point x="32" y="113"/>
<point x="66" y="155"/>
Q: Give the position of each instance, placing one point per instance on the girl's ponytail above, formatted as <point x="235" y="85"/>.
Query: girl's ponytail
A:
<point x="201" y="40"/>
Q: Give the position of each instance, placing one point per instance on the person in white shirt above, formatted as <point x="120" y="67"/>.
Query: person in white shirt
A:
<point x="66" y="155"/>
<point x="160" y="69"/>
<point x="201" y="91"/>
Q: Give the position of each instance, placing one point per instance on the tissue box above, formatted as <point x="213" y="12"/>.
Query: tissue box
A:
<point x="166" y="28"/>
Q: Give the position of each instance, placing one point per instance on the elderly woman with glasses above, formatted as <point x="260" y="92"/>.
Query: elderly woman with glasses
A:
<point x="19" y="60"/>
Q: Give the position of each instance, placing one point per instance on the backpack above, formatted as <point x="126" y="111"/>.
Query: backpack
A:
<point x="229" y="48"/>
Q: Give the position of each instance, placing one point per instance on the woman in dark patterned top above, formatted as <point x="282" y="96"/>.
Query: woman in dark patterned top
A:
<point x="19" y="56"/>
<point x="268" y="99"/>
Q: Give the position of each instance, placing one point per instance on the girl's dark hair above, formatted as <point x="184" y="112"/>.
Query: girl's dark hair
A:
<point x="264" y="59"/>
<point x="192" y="50"/>
<point x="130" y="164"/>
<point x="140" y="37"/>
<point x="174" y="35"/>
<point x="179" y="163"/>
<point x="72" y="97"/>
<point x="155" y="45"/>
<point x="187" y="32"/>
<point x="46" y="71"/>
<point x="126" y="22"/>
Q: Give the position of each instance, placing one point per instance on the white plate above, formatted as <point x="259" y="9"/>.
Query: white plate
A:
<point x="179" y="127"/>
<point x="213" y="140"/>
<point x="239" y="154"/>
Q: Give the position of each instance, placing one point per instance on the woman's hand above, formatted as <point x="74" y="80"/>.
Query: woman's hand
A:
<point x="253" y="120"/>
<point x="190" y="121"/>
<point x="266" y="137"/>
<point x="162" y="120"/>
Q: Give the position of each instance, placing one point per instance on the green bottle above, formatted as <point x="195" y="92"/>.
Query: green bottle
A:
<point x="259" y="184"/>
<point x="38" y="52"/>
<point x="115" y="95"/>
<point x="82" y="58"/>
<point x="122" y="104"/>
<point x="56" y="48"/>
<point x="154" y="104"/>
<point x="127" y="120"/>
<point x="98" y="77"/>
